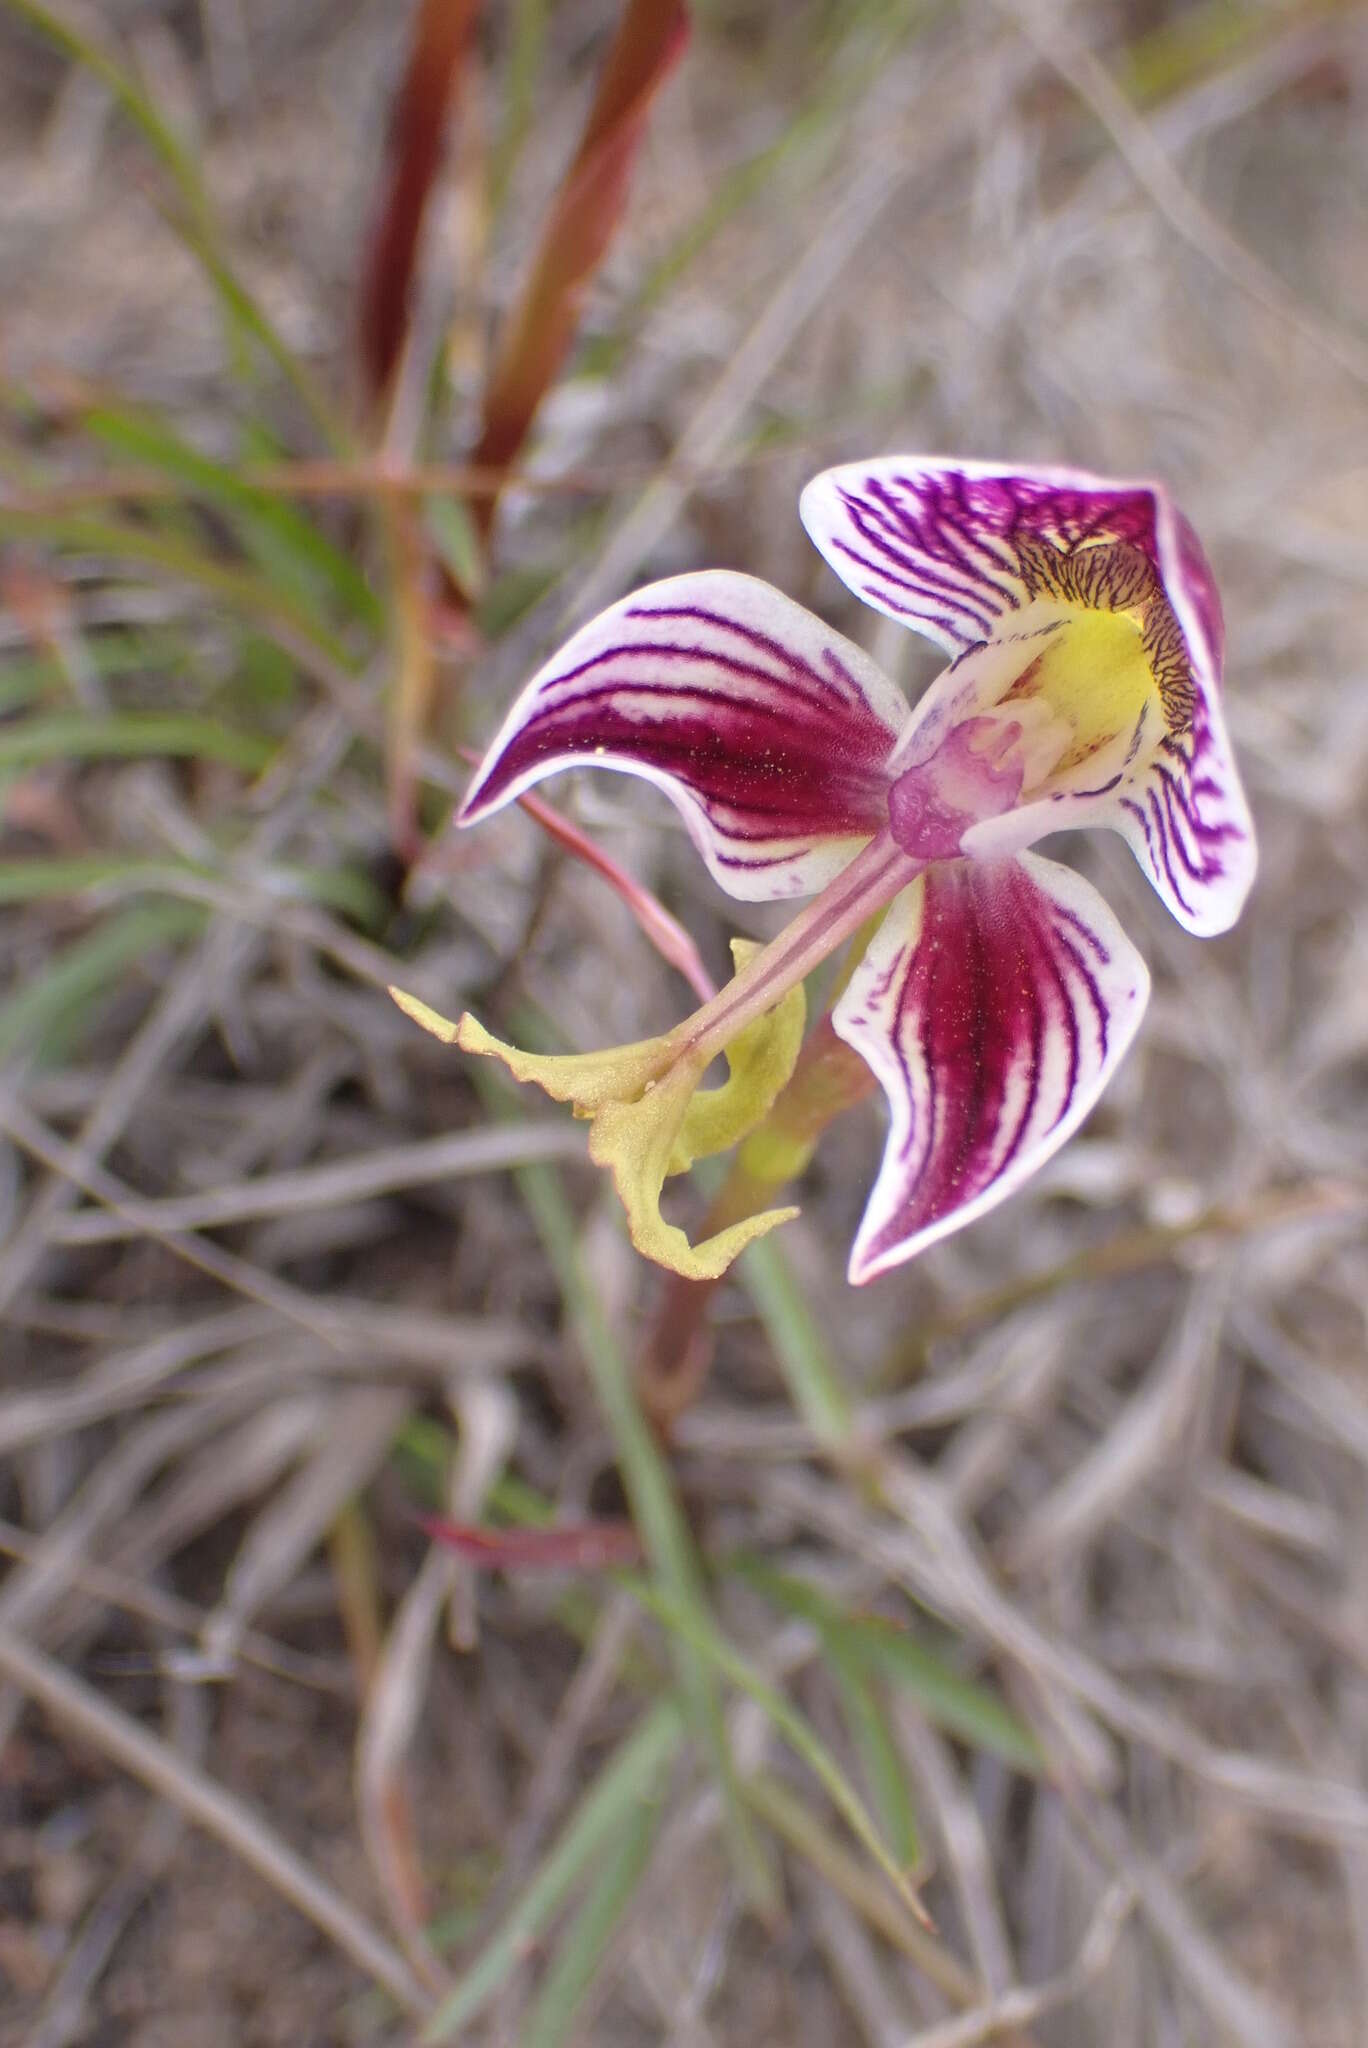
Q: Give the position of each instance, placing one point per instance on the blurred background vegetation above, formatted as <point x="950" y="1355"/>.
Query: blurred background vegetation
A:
<point x="349" y="354"/>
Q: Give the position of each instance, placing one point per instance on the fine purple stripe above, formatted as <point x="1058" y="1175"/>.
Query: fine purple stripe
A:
<point x="766" y="643"/>
<point x="796" y="678"/>
<point x="1099" y="1010"/>
<point x="935" y="596"/>
<point x="954" y="537"/>
<point x="940" y="560"/>
<point x="1196" y="865"/>
<point x="1156" y="812"/>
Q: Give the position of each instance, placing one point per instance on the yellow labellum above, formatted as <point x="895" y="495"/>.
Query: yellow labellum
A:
<point x="1116" y="647"/>
<point x="650" y="1118"/>
<point x="1095" y="674"/>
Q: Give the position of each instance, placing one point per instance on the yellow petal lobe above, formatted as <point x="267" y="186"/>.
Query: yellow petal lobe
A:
<point x="589" y="1080"/>
<point x="636" y="1141"/>
<point x="760" y="1060"/>
<point x="425" y="1018"/>
<point x="650" y="1117"/>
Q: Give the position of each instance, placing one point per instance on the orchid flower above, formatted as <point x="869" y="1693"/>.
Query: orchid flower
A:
<point x="997" y="993"/>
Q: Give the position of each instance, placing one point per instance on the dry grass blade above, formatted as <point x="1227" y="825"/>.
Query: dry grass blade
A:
<point x="1012" y="2010"/>
<point x="457" y="1154"/>
<point x="71" y="1538"/>
<point x="179" y="1013"/>
<point x="81" y="1712"/>
<point x="802" y="293"/>
<point x="180" y="1009"/>
<point x="584" y="1697"/>
<point x="1148" y="161"/>
<point x="1145" y="1437"/>
<point x="932" y="1556"/>
<point x="851" y="1878"/>
<point x="394" y="1703"/>
<point x="351" y="1331"/>
<point x="397" y="1690"/>
<point x="65" y="2012"/>
<point x="172" y="1615"/>
<point x="361" y="1425"/>
<point x="965" y="1847"/>
<point x="125" y="1378"/>
<point x="1229" y="2002"/>
<point x="855" y="1964"/>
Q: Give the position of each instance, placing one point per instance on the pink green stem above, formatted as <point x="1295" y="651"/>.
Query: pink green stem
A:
<point x="867" y="886"/>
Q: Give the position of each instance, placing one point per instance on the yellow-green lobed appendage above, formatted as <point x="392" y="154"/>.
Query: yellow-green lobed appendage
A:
<point x="649" y="1117"/>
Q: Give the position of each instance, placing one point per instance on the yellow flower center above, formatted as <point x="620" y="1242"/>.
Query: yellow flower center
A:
<point x="1094" y="668"/>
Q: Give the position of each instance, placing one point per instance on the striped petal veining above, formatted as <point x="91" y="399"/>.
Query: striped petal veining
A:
<point x="993" y="1005"/>
<point x="769" y="731"/>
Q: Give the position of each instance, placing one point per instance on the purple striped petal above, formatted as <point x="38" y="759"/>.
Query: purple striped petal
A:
<point x="1189" y="826"/>
<point x="768" y="731"/>
<point x="992" y="1005"/>
<point x="954" y="549"/>
<point x="994" y="560"/>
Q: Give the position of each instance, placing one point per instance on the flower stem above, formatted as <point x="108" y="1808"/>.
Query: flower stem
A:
<point x="868" y="885"/>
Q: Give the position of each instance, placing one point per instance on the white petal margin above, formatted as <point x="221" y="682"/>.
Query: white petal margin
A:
<point x="993" y="1005"/>
<point x="769" y="731"/>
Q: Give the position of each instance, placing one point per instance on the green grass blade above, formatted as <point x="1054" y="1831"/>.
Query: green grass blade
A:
<point x="453" y="533"/>
<point x="655" y="1510"/>
<point x="605" y="1809"/>
<point x="580" y="1955"/>
<point x="527" y="35"/>
<point x="277" y="536"/>
<point x="158" y="133"/>
<point x="26" y="677"/>
<point x="816" y="1387"/>
<point x="37" y="881"/>
<point x="960" y="1705"/>
<point x="1201" y="39"/>
<point x="32" y="676"/>
<point x="346" y="890"/>
<point x="130" y="735"/>
<point x="241" y="590"/>
<point x="198" y="227"/>
<point x="733" y="1665"/>
<point x="201" y="239"/>
<point x="513" y="593"/>
<point x="51" y="1011"/>
<point x="880" y="1764"/>
<point x="807" y="1834"/>
<point x="866" y="33"/>
<point x="963" y="1707"/>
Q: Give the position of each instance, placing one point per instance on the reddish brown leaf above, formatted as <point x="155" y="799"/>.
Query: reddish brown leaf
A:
<point x="441" y="38"/>
<point x="578" y="229"/>
<point x="579" y="1546"/>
